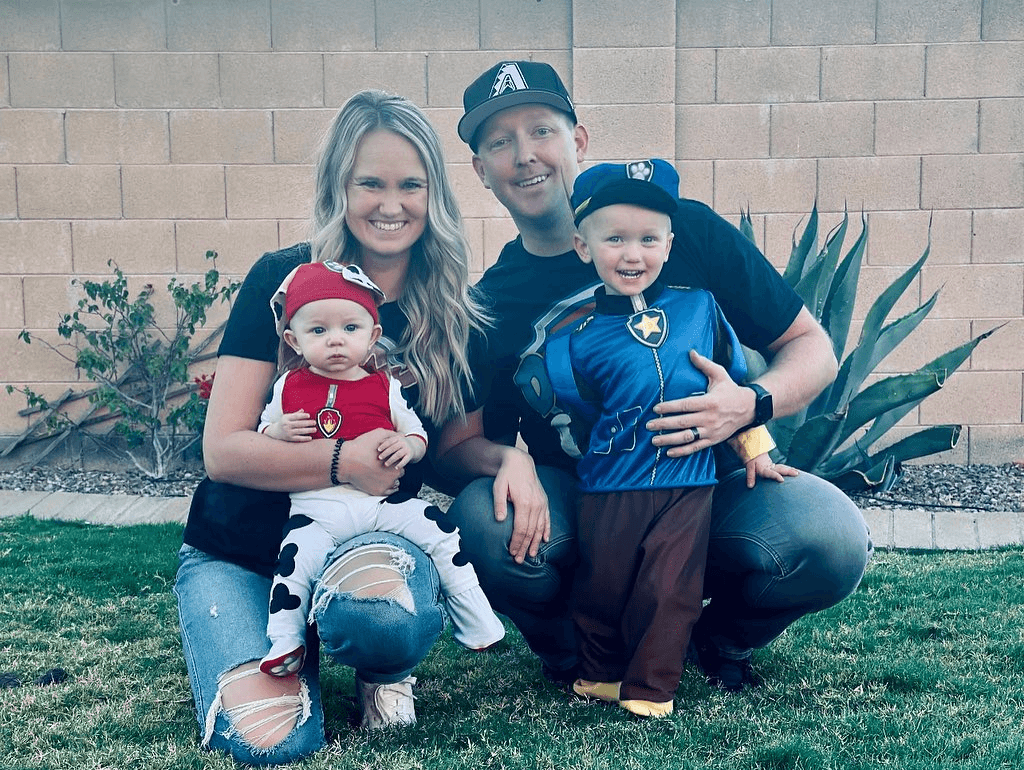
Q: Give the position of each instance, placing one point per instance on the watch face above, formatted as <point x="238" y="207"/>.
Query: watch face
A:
<point x="763" y="408"/>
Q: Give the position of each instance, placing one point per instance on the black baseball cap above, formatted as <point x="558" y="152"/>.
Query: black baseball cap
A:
<point x="651" y="184"/>
<point x="507" y="84"/>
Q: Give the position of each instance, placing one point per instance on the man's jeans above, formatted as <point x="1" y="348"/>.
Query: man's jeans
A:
<point x="776" y="553"/>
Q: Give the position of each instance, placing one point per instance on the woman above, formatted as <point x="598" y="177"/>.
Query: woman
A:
<point x="383" y="201"/>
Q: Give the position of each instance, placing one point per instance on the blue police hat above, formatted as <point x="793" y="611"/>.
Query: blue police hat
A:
<point x="652" y="184"/>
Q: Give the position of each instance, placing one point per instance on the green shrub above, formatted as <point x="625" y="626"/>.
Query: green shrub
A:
<point x="140" y="370"/>
<point x="834" y="436"/>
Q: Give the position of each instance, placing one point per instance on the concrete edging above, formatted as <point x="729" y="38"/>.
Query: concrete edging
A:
<point x="890" y="528"/>
<point x="116" y="510"/>
<point x="944" y="530"/>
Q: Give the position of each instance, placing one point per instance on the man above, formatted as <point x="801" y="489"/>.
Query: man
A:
<point x="777" y="551"/>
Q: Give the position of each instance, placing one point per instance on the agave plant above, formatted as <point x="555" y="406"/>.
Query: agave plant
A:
<point x="833" y="437"/>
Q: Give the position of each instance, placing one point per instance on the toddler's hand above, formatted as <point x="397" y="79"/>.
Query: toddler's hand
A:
<point x="397" y="451"/>
<point x="297" y="426"/>
<point x="763" y="467"/>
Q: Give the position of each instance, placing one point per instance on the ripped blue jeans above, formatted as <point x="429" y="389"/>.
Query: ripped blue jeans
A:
<point x="381" y="624"/>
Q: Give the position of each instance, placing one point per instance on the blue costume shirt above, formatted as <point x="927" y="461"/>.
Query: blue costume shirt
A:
<point x="611" y="369"/>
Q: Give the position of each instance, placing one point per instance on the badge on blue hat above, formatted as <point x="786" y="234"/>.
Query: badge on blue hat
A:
<point x="652" y="184"/>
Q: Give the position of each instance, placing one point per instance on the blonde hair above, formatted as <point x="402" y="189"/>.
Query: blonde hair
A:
<point x="437" y="299"/>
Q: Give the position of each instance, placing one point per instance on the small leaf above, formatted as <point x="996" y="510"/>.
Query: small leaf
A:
<point x="798" y="255"/>
<point x="838" y="308"/>
<point x="747" y="226"/>
<point x="951" y="360"/>
<point x="829" y="258"/>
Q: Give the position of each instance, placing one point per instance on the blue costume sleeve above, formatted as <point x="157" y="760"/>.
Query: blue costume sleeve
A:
<point x="558" y="360"/>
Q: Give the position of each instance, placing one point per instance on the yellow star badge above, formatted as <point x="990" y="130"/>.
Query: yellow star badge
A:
<point x="649" y="327"/>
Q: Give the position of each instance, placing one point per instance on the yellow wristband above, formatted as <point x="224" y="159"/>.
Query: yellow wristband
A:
<point x="751" y="443"/>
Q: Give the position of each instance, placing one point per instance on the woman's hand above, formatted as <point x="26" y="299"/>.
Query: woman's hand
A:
<point x="516" y="482"/>
<point x="359" y="464"/>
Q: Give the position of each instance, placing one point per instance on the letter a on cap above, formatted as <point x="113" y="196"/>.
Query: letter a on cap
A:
<point x="509" y="78"/>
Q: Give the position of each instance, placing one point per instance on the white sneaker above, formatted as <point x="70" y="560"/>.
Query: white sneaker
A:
<point x="384" y="705"/>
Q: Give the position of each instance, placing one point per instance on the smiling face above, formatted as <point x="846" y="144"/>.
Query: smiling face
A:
<point x="334" y="336"/>
<point x="528" y="156"/>
<point x="627" y="244"/>
<point x="387" y="196"/>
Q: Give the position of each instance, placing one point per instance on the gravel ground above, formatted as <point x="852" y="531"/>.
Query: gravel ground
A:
<point x="954" y="487"/>
<point x="936" y="487"/>
<point x="54" y="479"/>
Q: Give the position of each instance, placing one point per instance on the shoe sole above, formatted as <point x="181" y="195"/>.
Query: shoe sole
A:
<point x="646" y="708"/>
<point x="286" y="665"/>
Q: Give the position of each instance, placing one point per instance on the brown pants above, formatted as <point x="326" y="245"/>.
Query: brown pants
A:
<point x="639" y="585"/>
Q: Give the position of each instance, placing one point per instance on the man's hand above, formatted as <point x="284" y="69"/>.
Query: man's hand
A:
<point x="698" y="422"/>
<point x="462" y="449"/>
<point x="516" y="482"/>
<point x="359" y="465"/>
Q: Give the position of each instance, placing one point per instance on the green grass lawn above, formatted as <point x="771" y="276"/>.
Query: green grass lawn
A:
<point x="921" y="668"/>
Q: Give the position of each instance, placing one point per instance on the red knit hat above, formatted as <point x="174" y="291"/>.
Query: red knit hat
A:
<point x="327" y="280"/>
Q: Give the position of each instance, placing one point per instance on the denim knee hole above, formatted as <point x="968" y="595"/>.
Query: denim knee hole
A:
<point x="282" y="710"/>
<point x="376" y="572"/>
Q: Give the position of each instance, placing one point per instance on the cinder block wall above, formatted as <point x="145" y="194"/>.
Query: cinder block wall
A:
<point x="149" y="131"/>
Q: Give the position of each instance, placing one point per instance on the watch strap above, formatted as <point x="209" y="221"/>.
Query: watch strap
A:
<point x="763" y="411"/>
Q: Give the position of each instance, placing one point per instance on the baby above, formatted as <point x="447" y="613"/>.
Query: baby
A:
<point x="329" y="318"/>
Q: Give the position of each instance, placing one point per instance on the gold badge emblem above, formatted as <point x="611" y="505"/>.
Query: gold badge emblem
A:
<point x="649" y="327"/>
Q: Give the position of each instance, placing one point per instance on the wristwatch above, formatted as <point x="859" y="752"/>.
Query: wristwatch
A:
<point x="763" y="408"/>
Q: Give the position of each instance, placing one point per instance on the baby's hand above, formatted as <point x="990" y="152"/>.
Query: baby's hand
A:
<point x="397" y="450"/>
<point x="296" y="426"/>
<point x="763" y="466"/>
